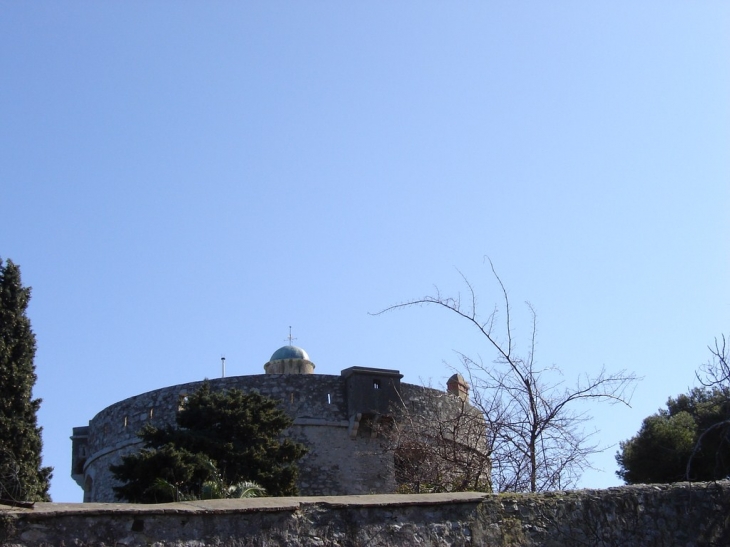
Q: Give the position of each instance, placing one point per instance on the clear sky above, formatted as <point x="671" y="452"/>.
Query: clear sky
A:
<point x="182" y="180"/>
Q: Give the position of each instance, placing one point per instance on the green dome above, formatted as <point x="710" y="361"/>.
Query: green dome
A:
<point x="289" y="352"/>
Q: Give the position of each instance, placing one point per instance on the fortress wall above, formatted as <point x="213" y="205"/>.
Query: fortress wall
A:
<point x="431" y="404"/>
<point x="300" y="396"/>
<point x="337" y="463"/>
<point x="696" y="515"/>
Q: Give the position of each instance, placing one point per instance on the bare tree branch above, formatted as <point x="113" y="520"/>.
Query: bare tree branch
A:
<point x="534" y="431"/>
<point x="716" y="371"/>
<point x="439" y="443"/>
<point x="725" y="424"/>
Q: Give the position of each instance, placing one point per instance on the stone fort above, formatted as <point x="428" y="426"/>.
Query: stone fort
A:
<point x="333" y="416"/>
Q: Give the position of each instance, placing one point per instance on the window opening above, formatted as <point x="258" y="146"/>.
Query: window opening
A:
<point x="329" y="399"/>
<point x="376" y="384"/>
<point x="88" y="487"/>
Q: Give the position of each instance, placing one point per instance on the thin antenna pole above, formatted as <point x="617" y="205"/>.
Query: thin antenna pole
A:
<point x="223" y="366"/>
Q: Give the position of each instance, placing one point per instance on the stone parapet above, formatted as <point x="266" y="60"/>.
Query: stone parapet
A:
<point x="633" y="516"/>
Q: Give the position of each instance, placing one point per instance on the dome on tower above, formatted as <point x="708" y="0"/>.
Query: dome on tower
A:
<point x="289" y="360"/>
<point x="289" y="352"/>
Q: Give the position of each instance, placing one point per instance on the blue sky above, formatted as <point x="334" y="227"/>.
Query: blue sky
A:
<point x="184" y="180"/>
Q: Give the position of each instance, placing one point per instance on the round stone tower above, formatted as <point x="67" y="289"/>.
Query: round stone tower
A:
<point x="333" y="415"/>
<point x="289" y="360"/>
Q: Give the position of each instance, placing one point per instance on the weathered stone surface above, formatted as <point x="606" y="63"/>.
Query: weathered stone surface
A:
<point x="650" y="515"/>
<point x="341" y="460"/>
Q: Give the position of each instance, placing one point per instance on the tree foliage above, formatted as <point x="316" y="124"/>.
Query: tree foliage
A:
<point x="22" y="477"/>
<point x="690" y="439"/>
<point x="681" y="442"/>
<point x="222" y="439"/>
<point x="534" y="420"/>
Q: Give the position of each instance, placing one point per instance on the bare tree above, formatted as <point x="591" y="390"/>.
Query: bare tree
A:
<point x="716" y="372"/>
<point x="533" y="420"/>
<point x="439" y="443"/>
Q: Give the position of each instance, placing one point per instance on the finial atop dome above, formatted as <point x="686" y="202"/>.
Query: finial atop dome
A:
<point x="289" y="338"/>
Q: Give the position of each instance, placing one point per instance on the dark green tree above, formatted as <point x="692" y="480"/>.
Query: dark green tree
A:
<point x="686" y="441"/>
<point x="226" y="437"/>
<point x="22" y="477"/>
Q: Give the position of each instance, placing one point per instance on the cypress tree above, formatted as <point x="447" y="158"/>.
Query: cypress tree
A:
<point x="21" y="475"/>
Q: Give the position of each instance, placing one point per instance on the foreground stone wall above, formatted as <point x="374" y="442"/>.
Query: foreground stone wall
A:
<point x="653" y="515"/>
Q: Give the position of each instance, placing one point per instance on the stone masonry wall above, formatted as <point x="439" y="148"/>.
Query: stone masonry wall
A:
<point x="301" y="396"/>
<point x="336" y="464"/>
<point x="314" y="402"/>
<point x="634" y="516"/>
<point x="339" y="465"/>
